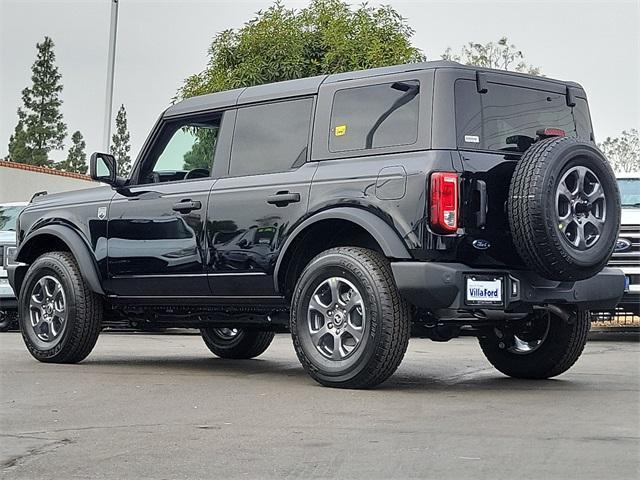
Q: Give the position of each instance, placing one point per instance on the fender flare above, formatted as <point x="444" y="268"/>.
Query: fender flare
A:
<point x="389" y="240"/>
<point x="78" y="247"/>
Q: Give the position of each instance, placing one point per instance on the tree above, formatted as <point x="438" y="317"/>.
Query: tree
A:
<point x="283" y="44"/>
<point x="499" y="55"/>
<point x="623" y="152"/>
<point x="201" y="153"/>
<point x="76" y="161"/>
<point x="120" y="145"/>
<point x="18" y="151"/>
<point x="40" y="128"/>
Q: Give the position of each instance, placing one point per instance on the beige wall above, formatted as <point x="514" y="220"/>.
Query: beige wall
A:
<point x="19" y="185"/>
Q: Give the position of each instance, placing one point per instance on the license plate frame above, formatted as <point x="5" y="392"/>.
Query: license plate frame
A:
<point x="488" y="283"/>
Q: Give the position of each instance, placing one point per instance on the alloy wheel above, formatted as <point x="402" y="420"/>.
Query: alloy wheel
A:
<point x="48" y="309"/>
<point x="336" y="318"/>
<point x="580" y="207"/>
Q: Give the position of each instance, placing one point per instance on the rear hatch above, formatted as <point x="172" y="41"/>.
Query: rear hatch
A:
<point x="497" y="118"/>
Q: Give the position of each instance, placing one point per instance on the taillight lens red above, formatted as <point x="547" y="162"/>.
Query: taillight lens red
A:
<point x="444" y="202"/>
<point x="551" y="132"/>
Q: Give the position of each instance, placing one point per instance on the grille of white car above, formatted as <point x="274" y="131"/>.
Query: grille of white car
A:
<point x="629" y="256"/>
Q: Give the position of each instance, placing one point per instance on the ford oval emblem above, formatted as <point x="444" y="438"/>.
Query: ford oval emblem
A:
<point x="481" y="244"/>
<point x="622" y="244"/>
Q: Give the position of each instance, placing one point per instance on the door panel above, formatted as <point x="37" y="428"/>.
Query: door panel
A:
<point x="263" y="193"/>
<point x="246" y="232"/>
<point x="156" y="242"/>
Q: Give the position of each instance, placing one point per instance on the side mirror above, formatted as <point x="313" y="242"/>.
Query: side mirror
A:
<point x="103" y="168"/>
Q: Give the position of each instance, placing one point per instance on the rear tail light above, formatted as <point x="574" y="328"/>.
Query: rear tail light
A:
<point x="444" y="202"/>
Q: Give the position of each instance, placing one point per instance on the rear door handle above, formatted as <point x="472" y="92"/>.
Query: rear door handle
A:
<point x="282" y="199"/>
<point x="186" y="206"/>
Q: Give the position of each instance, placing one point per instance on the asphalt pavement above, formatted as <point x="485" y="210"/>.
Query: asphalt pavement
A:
<point x="162" y="407"/>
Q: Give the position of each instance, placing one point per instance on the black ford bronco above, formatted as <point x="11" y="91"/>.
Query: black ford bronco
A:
<point x="353" y="210"/>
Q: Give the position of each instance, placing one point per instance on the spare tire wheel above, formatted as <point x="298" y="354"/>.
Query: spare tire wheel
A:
<point x="564" y="209"/>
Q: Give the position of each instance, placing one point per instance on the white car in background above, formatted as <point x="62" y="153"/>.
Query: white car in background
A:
<point x="8" y="304"/>
<point x="626" y="255"/>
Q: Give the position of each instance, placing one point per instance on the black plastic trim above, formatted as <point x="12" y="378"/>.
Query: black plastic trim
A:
<point x="435" y="286"/>
<point x="77" y="246"/>
<point x="388" y="239"/>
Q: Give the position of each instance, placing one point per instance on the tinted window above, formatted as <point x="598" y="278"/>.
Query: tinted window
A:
<point x="507" y="117"/>
<point x="374" y="116"/>
<point x="271" y="138"/>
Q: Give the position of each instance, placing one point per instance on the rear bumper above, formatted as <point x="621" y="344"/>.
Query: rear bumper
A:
<point x="442" y="285"/>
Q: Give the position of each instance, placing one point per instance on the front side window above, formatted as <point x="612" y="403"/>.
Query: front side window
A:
<point x="184" y="151"/>
<point x="507" y="117"/>
<point x="271" y="138"/>
<point x="375" y="116"/>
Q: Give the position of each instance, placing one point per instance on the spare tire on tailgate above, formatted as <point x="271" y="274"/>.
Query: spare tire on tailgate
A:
<point x="564" y="209"/>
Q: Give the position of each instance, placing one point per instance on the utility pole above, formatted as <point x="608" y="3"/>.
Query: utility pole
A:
<point x="111" y="61"/>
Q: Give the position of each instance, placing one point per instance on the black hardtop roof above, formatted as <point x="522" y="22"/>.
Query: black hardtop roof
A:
<point x="310" y="86"/>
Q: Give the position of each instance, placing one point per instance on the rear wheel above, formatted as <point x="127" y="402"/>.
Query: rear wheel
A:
<point x="236" y="343"/>
<point x="60" y="317"/>
<point x="350" y="327"/>
<point x="541" y="346"/>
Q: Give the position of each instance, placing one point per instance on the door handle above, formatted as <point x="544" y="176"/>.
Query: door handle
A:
<point x="282" y="199"/>
<point x="186" y="206"/>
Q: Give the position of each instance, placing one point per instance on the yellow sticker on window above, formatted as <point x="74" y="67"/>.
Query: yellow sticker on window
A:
<point x="340" y="130"/>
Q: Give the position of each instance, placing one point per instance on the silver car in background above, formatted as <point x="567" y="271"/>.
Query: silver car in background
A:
<point x="626" y="255"/>
<point x="8" y="304"/>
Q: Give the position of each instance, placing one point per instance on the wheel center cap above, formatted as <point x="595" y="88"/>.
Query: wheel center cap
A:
<point x="338" y="318"/>
<point x="581" y="207"/>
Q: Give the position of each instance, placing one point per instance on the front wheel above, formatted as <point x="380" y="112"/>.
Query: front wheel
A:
<point x="60" y="317"/>
<point x="541" y="346"/>
<point x="350" y="327"/>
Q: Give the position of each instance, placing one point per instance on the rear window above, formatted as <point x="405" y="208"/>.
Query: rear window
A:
<point x="375" y="116"/>
<point x="507" y="117"/>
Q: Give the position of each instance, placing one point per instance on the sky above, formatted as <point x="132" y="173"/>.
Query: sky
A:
<point x="161" y="42"/>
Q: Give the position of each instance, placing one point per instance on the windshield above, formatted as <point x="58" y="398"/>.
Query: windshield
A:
<point x="629" y="192"/>
<point x="8" y="217"/>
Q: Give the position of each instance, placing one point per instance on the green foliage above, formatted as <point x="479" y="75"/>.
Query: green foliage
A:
<point x="499" y="55"/>
<point x="623" y="152"/>
<point x="120" y="145"/>
<point x="282" y="44"/>
<point x="201" y="154"/>
<point x="18" y="151"/>
<point x="40" y="128"/>
<point x="76" y="161"/>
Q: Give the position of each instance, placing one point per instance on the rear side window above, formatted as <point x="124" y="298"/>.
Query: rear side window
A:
<point x="507" y="117"/>
<point x="375" y="116"/>
<point x="271" y="138"/>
